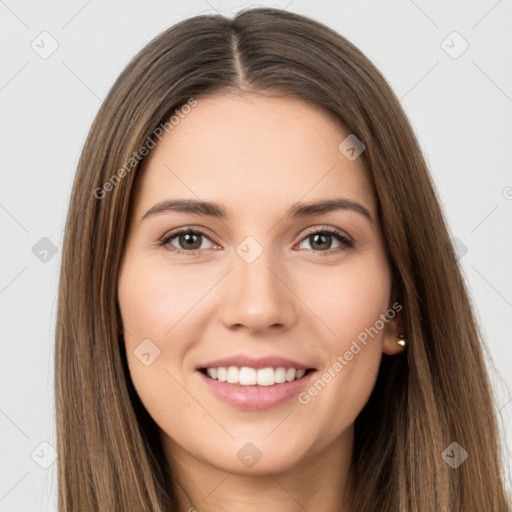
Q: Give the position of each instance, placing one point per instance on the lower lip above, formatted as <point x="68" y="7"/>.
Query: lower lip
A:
<point x="257" y="397"/>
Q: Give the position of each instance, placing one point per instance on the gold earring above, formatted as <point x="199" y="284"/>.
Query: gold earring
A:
<point x="402" y="342"/>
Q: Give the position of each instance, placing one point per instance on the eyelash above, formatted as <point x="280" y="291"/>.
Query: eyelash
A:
<point x="345" y="242"/>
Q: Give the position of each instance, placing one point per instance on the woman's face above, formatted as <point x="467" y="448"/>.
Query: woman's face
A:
<point x="252" y="287"/>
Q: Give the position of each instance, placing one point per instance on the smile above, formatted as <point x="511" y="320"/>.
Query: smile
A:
<point x="246" y="376"/>
<point x="255" y="389"/>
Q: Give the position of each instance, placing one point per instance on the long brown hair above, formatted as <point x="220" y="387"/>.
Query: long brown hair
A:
<point x="437" y="393"/>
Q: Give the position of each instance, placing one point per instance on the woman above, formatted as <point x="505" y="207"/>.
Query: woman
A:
<point x="259" y="304"/>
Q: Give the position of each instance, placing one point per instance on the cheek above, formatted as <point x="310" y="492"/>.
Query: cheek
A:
<point x="157" y="330"/>
<point x="356" y="304"/>
<point x="350" y="299"/>
<point x="351" y="309"/>
<point x="153" y="300"/>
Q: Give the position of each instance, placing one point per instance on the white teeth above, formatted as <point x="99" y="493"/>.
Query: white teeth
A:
<point x="232" y="376"/>
<point x="300" y="373"/>
<point x="280" y="375"/>
<point x="266" y="377"/>
<point x="246" y="376"/>
<point x="221" y="374"/>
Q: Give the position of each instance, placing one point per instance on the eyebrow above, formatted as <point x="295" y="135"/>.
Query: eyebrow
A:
<point x="216" y="210"/>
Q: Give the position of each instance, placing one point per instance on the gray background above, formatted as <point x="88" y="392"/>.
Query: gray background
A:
<point x="460" y="107"/>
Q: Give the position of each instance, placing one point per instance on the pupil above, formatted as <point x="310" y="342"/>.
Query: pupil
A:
<point x="187" y="237"/>
<point x="324" y="237"/>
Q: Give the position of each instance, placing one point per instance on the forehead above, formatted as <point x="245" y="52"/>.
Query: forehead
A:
<point x="252" y="152"/>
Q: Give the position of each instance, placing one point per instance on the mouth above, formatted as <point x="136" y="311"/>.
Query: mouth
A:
<point x="252" y="389"/>
<point x="248" y="376"/>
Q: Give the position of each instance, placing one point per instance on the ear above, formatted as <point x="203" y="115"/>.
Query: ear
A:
<point x="390" y="345"/>
<point x="393" y="333"/>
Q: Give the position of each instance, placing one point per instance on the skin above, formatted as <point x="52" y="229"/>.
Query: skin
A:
<point x="257" y="155"/>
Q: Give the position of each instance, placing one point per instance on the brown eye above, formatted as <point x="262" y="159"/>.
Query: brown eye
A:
<point x="187" y="241"/>
<point x="321" y="240"/>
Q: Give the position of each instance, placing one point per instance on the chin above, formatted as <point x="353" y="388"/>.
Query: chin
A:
<point x="257" y="457"/>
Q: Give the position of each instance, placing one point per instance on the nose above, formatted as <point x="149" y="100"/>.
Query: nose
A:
<point x="259" y="296"/>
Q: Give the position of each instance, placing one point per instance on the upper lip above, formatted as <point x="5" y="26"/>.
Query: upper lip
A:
<point x="255" y="362"/>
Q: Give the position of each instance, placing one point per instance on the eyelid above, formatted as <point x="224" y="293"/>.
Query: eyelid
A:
<point x="345" y="240"/>
<point x="165" y="240"/>
<point x="328" y="229"/>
